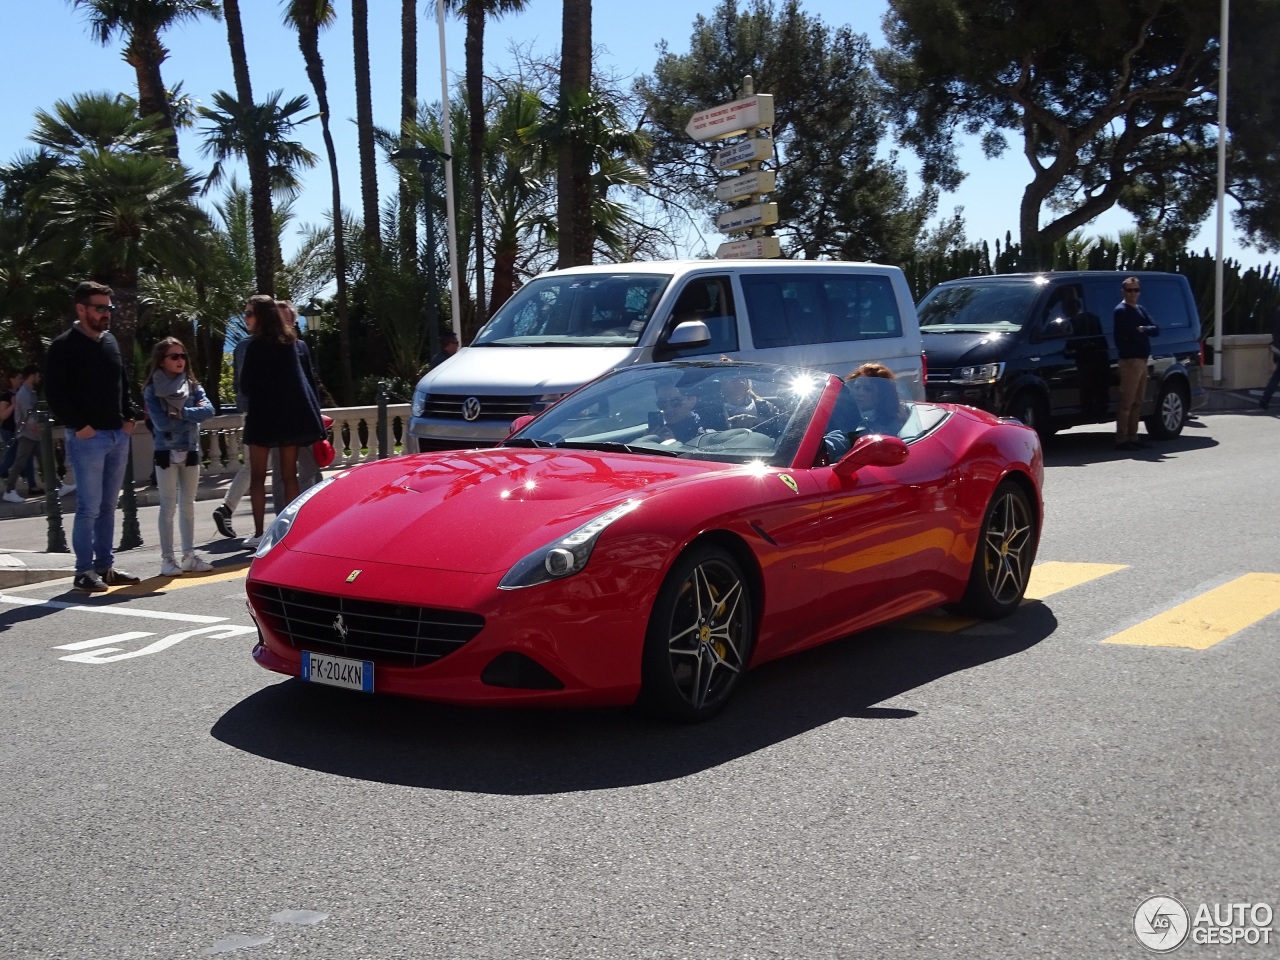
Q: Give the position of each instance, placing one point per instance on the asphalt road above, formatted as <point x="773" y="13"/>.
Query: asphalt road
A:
<point x="1013" y="789"/>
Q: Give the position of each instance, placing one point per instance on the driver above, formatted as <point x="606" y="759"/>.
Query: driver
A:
<point x="742" y="406"/>
<point x="679" y="420"/>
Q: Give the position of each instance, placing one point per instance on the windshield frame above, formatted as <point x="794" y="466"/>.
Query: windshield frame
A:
<point x="614" y="411"/>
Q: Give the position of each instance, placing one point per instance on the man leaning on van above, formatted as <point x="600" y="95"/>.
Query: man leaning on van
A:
<point x="1133" y="331"/>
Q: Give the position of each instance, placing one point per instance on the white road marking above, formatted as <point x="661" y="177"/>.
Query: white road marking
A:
<point x="114" y="611"/>
<point x="103" y="641"/>
<point x="110" y="654"/>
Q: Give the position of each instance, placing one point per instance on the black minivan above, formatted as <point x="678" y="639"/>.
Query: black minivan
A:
<point x="1039" y="347"/>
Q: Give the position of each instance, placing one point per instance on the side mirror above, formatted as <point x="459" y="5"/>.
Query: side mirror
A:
<point x="690" y="333"/>
<point x="519" y="423"/>
<point x="875" y="450"/>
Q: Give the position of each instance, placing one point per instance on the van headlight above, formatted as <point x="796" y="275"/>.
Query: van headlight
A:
<point x="981" y="373"/>
<point x="565" y="556"/>
<point x="419" y="402"/>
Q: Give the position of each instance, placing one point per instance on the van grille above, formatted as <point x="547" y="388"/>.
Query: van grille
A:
<point x="392" y="634"/>
<point x="939" y="374"/>
<point x="446" y="406"/>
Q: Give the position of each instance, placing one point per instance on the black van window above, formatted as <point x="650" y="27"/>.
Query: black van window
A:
<point x="709" y="299"/>
<point x="1000" y="304"/>
<point x="1166" y="304"/>
<point x="790" y="309"/>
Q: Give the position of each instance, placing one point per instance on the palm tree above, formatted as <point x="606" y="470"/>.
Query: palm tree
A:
<point x="573" y="175"/>
<point x="260" y="134"/>
<point x="309" y="17"/>
<point x="130" y="212"/>
<point x="475" y="13"/>
<point x="98" y="121"/>
<point x="589" y="126"/>
<point x="142" y="21"/>
<point x="408" y="114"/>
<point x="364" y="131"/>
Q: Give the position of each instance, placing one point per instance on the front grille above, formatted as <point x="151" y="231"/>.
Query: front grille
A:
<point x="391" y="634"/>
<point x="445" y="406"/>
<point x="939" y="374"/>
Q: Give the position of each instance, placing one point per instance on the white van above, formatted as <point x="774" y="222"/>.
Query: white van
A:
<point x="567" y="327"/>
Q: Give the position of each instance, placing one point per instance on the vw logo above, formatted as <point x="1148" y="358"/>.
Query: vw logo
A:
<point x="471" y="408"/>
<point x="340" y="627"/>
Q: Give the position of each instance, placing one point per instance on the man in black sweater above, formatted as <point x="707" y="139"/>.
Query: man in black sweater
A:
<point x="88" y="393"/>
<point x="1133" y="329"/>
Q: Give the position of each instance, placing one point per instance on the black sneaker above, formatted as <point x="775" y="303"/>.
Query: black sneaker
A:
<point x="222" y="520"/>
<point x="115" y="577"/>
<point x="89" y="582"/>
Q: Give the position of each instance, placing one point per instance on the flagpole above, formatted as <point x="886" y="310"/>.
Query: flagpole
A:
<point x="1222" y="191"/>
<point x="450" y="214"/>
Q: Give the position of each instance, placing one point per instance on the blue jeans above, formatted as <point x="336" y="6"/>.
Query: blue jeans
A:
<point x="98" y="465"/>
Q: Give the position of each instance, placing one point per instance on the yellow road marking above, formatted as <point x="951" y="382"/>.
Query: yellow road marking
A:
<point x="1048" y="578"/>
<point x="1209" y="618"/>
<point x="153" y="585"/>
<point x="1054" y="576"/>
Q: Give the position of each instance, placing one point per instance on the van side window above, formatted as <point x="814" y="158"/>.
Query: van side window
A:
<point x="709" y="299"/>
<point x="791" y="309"/>
<point x="1165" y="303"/>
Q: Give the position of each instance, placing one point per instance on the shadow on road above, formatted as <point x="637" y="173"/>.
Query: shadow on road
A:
<point x="1084" y="448"/>
<point x="518" y="752"/>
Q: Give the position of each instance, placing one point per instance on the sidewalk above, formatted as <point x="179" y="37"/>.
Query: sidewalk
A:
<point x="24" y="535"/>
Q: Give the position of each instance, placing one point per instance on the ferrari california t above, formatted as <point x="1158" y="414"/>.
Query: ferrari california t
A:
<point x="649" y="538"/>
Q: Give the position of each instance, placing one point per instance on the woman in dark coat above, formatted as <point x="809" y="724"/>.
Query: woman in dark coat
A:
<point x="283" y="412"/>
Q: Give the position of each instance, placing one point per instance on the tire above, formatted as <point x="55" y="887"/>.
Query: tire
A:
<point x="1005" y="553"/>
<point x="1171" y="412"/>
<point x="1030" y="409"/>
<point x="700" y="636"/>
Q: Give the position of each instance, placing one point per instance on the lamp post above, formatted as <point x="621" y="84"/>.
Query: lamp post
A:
<point x="426" y="157"/>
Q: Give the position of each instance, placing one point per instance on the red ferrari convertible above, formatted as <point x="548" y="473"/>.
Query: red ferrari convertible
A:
<point x="649" y="538"/>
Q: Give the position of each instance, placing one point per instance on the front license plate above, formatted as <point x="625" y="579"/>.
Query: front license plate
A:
<point x="337" y="671"/>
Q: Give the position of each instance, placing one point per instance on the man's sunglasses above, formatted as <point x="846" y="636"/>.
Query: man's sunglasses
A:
<point x="102" y="308"/>
<point x="1131" y="289"/>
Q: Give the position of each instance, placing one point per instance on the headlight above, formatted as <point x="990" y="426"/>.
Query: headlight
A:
<point x="419" y="402"/>
<point x="982" y="373"/>
<point x="565" y="556"/>
<point x="283" y="522"/>
<point x="546" y="400"/>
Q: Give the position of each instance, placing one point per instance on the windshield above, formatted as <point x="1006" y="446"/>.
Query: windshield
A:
<point x="727" y="412"/>
<point x="1002" y="306"/>
<point x="576" y="310"/>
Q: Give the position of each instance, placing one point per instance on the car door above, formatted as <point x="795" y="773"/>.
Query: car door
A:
<point x="886" y="530"/>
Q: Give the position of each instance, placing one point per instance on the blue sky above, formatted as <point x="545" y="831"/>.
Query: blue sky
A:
<point x="52" y="57"/>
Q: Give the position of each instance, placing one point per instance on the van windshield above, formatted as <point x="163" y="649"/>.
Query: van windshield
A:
<point x="576" y="310"/>
<point x="995" y="305"/>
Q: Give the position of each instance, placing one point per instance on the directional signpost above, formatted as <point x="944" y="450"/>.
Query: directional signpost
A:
<point x="732" y="119"/>
<point x="750" y="115"/>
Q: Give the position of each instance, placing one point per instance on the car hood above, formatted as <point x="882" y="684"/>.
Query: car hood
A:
<point x="475" y="511"/>
<point x="522" y="371"/>
<point x="964" y="347"/>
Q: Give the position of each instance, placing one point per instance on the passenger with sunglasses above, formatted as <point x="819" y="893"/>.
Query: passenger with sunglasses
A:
<point x="177" y="405"/>
<point x="88" y="392"/>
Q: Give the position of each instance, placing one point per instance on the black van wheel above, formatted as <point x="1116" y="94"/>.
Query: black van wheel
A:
<point x="1171" y="412"/>
<point x="1031" y="410"/>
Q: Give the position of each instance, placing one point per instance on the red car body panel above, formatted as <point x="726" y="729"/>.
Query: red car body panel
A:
<point x="829" y="555"/>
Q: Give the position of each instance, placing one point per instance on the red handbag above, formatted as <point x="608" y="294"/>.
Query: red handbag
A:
<point x="323" y="449"/>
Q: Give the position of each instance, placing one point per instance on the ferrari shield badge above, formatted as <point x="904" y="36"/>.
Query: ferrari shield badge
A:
<point x="790" y="481"/>
<point x="351" y="578"/>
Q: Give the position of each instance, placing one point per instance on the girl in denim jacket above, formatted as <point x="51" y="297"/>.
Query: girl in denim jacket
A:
<point x="177" y="404"/>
